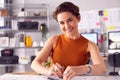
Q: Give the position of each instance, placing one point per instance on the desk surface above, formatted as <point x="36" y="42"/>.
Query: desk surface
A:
<point x="41" y="77"/>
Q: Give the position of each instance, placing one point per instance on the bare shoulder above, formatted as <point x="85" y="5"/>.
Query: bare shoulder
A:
<point x="52" y="39"/>
<point x="92" y="46"/>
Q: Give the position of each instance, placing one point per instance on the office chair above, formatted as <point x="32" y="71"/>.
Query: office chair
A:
<point x="114" y="61"/>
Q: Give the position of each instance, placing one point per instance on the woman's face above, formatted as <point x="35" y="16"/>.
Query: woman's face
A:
<point x="68" y="22"/>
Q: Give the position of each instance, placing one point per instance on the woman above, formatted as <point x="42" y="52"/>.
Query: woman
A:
<point x="69" y="51"/>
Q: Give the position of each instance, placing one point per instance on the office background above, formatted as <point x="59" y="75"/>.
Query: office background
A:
<point x="85" y="5"/>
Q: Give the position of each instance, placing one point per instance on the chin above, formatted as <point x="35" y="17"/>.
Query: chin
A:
<point x="70" y="33"/>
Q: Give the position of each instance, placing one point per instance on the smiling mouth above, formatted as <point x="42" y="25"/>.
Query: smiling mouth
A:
<point x="69" y="30"/>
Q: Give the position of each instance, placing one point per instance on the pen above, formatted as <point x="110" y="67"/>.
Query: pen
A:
<point x="50" y="78"/>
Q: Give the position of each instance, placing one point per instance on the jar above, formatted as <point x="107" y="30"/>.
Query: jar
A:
<point x="28" y="41"/>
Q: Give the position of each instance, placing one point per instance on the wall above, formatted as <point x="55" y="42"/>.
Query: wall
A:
<point x="83" y="4"/>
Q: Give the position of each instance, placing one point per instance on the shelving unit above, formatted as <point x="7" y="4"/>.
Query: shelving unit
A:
<point x="20" y="22"/>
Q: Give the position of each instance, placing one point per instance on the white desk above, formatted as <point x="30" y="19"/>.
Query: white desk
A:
<point x="38" y="77"/>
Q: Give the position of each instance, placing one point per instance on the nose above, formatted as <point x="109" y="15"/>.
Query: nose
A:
<point x="67" y="26"/>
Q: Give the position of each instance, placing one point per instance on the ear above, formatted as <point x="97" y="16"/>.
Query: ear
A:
<point x="79" y="18"/>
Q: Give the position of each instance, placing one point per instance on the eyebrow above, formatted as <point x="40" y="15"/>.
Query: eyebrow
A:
<point x="66" y="19"/>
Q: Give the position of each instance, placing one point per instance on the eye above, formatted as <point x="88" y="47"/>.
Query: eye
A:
<point x="69" y="20"/>
<point x="61" y="23"/>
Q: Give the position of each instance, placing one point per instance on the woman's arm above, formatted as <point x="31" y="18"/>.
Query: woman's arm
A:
<point x="43" y="56"/>
<point x="98" y="66"/>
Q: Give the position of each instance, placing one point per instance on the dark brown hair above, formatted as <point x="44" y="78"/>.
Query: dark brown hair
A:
<point x="66" y="7"/>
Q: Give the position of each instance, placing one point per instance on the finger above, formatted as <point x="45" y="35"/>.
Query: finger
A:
<point x="67" y="70"/>
<point x="59" y="66"/>
<point x="50" y="72"/>
<point x="70" y="76"/>
<point x="53" y="72"/>
<point x="58" y="71"/>
<point x="66" y="74"/>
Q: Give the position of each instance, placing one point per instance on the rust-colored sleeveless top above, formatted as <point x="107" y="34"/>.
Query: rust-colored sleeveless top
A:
<point x="70" y="52"/>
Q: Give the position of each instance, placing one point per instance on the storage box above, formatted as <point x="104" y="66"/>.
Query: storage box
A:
<point x="4" y="41"/>
<point x="3" y="12"/>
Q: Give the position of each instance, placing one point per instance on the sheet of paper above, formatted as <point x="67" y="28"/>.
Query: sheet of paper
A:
<point x="42" y="77"/>
<point x="27" y="77"/>
<point x="89" y="19"/>
<point x="113" y="17"/>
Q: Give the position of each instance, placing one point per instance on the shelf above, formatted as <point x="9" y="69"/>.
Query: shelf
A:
<point x="18" y="31"/>
<point x="28" y="17"/>
<point x="23" y="17"/>
<point x="21" y="26"/>
<point x="36" y="6"/>
<point x="2" y="65"/>
<point x="21" y="47"/>
<point x="7" y="29"/>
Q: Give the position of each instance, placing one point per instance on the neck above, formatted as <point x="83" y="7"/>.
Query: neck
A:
<point x="73" y="36"/>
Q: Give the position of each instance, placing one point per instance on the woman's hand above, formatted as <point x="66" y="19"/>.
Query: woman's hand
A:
<point x="56" y="70"/>
<point x="71" y="71"/>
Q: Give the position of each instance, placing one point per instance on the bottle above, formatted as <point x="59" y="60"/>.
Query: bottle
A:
<point x="28" y="41"/>
<point x="22" y="12"/>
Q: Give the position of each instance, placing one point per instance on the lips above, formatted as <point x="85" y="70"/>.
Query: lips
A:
<point x="69" y="30"/>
